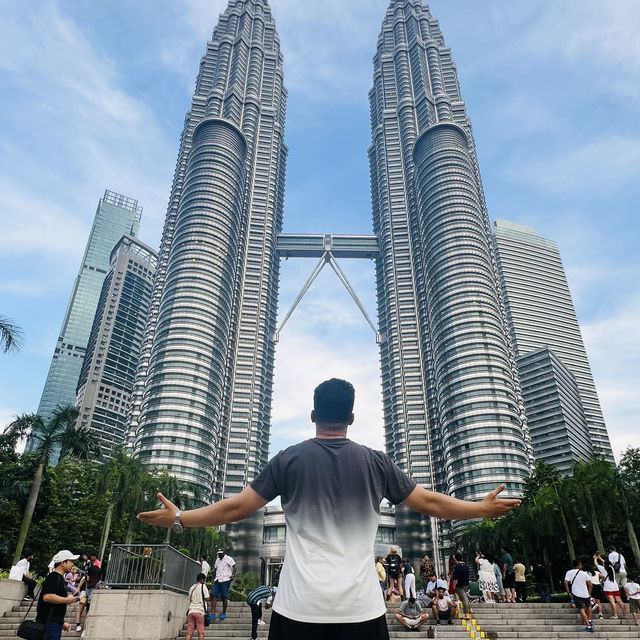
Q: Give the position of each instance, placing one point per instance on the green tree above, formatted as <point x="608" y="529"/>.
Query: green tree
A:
<point x="59" y="431"/>
<point x="10" y="335"/>
<point x="120" y="482"/>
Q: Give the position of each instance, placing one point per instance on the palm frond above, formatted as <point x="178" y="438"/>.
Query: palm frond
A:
<point x="10" y="335"/>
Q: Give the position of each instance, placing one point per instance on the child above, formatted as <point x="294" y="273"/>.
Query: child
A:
<point x="71" y="579"/>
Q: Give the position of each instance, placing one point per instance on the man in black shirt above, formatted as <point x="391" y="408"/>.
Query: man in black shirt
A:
<point x="542" y="585"/>
<point x="460" y="578"/>
<point x="54" y="597"/>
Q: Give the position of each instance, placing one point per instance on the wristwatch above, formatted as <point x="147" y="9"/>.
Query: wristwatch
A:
<point x="177" y="526"/>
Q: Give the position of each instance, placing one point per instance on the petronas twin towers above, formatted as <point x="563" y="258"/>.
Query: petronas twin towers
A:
<point x="453" y="412"/>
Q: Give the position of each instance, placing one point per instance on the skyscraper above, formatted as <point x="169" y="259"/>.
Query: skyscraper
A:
<point x="115" y="216"/>
<point x="108" y="370"/>
<point x="453" y="409"/>
<point x="559" y="432"/>
<point x="541" y="312"/>
<point x="203" y="393"/>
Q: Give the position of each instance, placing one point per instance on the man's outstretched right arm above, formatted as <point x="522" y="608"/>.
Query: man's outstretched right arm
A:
<point x="440" y="505"/>
<point x="222" y="512"/>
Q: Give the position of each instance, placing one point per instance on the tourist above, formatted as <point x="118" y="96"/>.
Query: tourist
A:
<point x="508" y="580"/>
<point x="578" y="586"/>
<point x="54" y="597"/>
<point x="597" y="594"/>
<point x="542" y="584"/>
<point x="486" y="579"/>
<point x="632" y="589"/>
<point x="460" y="579"/>
<point x="205" y="567"/>
<point x="610" y="586"/>
<point x="411" y="615"/>
<point x="382" y="574"/>
<point x="224" y="571"/>
<point x="394" y="572"/>
<point x="497" y="572"/>
<point x="20" y="571"/>
<point x="408" y="578"/>
<point x="426" y="569"/>
<point x="443" y="607"/>
<point x="256" y="598"/>
<point x="197" y="609"/>
<point x="520" y="582"/>
<point x="331" y="489"/>
<point x="619" y="565"/>
<point x="93" y="582"/>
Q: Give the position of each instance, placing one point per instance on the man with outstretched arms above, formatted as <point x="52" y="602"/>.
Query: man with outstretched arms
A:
<point x="330" y="489"/>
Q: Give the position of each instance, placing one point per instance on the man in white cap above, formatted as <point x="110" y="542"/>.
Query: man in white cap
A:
<point x="54" y="597"/>
<point x="224" y="571"/>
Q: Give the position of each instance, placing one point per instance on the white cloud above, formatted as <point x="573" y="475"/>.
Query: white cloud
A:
<point x="613" y="345"/>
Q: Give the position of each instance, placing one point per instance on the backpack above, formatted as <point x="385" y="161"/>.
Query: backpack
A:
<point x="617" y="565"/>
<point x="394" y="563"/>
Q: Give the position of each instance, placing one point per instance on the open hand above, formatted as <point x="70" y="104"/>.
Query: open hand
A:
<point x="161" y="517"/>
<point x="495" y="507"/>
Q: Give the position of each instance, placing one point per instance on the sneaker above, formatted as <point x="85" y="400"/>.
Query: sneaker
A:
<point x="600" y="617"/>
<point x="212" y="617"/>
<point x="587" y="630"/>
<point x="28" y="599"/>
<point x="450" y="622"/>
<point x="78" y="627"/>
<point x="261" y="621"/>
<point x="82" y="634"/>
<point x="223" y="616"/>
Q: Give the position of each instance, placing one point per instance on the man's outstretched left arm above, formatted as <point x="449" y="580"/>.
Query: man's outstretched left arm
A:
<point x="222" y="512"/>
<point x="440" y="505"/>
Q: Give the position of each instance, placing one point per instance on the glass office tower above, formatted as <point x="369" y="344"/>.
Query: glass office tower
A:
<point x="541" y="313"/>
<point x="108" y="370"/>
<point x="453" y="409"/>
<point x="115" y="216"/>
<point x="203" y="394"/>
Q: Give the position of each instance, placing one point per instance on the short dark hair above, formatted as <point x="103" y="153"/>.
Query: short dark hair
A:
<point x="612" y="548"/>
<point x="576" y="562"/>
<point x="333" y="401"/>
<point x="201" y="576"/>
<point x="458" y="556"/>
<point x="412" y="600"/>
<point x="203" y="556"/>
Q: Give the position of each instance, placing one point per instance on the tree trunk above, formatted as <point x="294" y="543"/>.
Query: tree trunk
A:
<point x="633" y="540"/>
<point x="28" y="512"/>
<point x="547" y="564"/>
<point x="597" y="534"/>
<point x="131" y="528"/>
<point x="572" y="551"/>
<point x="167" y="539"/>
<point x="105" y="530"/>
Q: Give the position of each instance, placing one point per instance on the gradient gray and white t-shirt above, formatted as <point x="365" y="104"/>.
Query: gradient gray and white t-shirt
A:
<point x="331" y="491"/>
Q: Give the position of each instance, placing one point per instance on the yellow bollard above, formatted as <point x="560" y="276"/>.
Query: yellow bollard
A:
<point x="473" y="621"/>
<point x="472" y="634"/>
<point x="482" y="634"/>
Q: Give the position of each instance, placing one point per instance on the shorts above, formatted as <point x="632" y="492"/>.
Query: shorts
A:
<point x="509" y="580"/>
<point x="444" y="615"/>
<point x="615" y="594"/>
<point x="412" y="622"/>
<point x="83" y="597"/>
<point x="394" y="574"/>
<point x="281" y="628"/>
<point x="634" y="605"/>
<point x="596" y="592"/>
<point x="220" y="589"/>
<point x="582" y="603"/>
<point x="195" y="621"/>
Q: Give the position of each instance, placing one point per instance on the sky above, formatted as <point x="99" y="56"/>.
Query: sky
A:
<point x="93" y="97"/>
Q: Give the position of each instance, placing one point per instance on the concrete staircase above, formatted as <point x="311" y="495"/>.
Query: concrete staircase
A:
<point x="11" y="620"/>
<point x="547" y="622"/>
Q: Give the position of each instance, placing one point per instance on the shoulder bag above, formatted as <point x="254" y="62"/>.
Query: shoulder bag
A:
<point x="207" y="620"/>
<point x="32" y="629"/>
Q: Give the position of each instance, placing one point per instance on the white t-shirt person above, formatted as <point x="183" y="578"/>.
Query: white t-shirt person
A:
<point x="614" y="557"/>
<point x="331" y="491"/>
<point x="224" y="568"/>
<point x="579" y="587"/>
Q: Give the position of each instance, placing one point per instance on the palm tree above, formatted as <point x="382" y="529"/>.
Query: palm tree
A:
<point x="59" y="431"/>
<point x="120" y="480"/>
<point x="10" y="335"/>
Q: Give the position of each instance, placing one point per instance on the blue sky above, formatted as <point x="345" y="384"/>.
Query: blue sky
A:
<point x="94" y="96"/>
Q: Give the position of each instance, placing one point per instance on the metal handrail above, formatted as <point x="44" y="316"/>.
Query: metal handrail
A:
<point x="154" y="566"/>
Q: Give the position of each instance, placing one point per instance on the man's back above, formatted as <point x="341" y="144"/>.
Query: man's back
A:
<point x="331" y="491"/>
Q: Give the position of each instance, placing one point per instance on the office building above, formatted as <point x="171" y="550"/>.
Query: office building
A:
<point x="453" y="410"/>
<point x="109" y="367"/>
<point x="203" y="394"/>
<point x="115" y="216"/>
<point x="541" y="313"/>
<point x="557" y="425"/>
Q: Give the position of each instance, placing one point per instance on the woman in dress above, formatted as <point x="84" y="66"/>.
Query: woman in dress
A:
<point x="486" y="578"/>
<point x="426" y="570"/>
